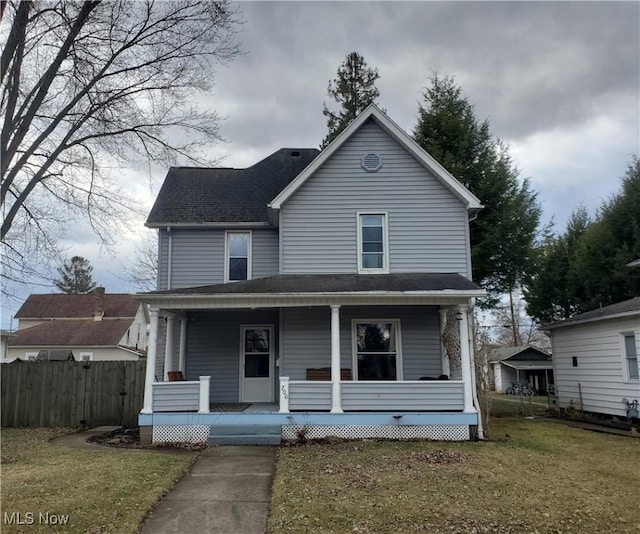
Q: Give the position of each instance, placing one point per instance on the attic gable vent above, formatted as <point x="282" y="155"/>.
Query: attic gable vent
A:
<point x="371" y="162"/>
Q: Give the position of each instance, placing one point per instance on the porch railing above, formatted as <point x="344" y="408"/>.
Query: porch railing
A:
<point x="182" y="396"/>
<point x="409" y="395"/>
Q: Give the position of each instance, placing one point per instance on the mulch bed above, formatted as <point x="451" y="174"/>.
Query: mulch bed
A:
<point x="129" y="438"/>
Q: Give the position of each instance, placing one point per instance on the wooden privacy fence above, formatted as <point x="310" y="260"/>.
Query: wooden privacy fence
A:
<point x="50" y="394"/>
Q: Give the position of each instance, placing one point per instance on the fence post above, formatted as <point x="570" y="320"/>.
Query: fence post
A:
<point x="204" y="394"/>
<point x="284" y="394"/>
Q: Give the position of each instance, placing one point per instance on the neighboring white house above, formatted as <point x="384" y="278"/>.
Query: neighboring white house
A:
<point x="595" y="359"/>
<point x="94" y="326"/>
<point x="528" y="365"/>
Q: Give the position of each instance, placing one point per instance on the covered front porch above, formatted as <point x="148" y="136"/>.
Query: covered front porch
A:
<point x="352" y="365"/>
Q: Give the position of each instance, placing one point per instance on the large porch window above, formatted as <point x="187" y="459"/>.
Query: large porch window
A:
<point x="376" y="350"/>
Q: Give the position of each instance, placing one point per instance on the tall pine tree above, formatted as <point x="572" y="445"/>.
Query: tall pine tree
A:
<point x="75" y="276"/>
<point x="503" y="235"/>
<point x="354" y="89"/>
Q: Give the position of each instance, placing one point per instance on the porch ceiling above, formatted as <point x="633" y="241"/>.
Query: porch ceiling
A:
<point x="320" y="290"/>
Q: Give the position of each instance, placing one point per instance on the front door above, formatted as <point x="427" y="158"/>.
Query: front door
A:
<point x="256" y="364"/>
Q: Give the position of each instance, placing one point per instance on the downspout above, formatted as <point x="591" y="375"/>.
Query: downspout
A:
<point x="472" y="352"/>
<point x="169" y="257"/>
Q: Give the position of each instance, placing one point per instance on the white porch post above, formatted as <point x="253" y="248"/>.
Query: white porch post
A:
<point x="182" y="355"/>
<point x="284" y="394"/>
<point x="462" y="315"/>
<point x="446" y="367"/>
<point x="204" y="394"/>
<point x="336" y="400"/>
<point x="168" y="348"/>
<point x="152" y="349"/>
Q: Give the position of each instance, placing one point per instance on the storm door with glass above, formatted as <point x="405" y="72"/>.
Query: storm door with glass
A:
<point x="256" y="364"/>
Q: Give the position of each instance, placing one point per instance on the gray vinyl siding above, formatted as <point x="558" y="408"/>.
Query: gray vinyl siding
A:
<point x="307" y="338"/>
<point x="161" y="347"/>
<point x="310" y="396"/>
<point x="197" y="256"/>
<point x="426" y="222"/>
<point x="213" y="348"/>
<point x="427" y="396"/>
<point x="601" y="370"/>
<point x="176" y="397"/>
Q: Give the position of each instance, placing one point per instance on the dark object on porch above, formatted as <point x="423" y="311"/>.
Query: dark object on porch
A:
<point x="441" y="377"/>
<point x="176" y="376"/>
<point x="324" y="373"/>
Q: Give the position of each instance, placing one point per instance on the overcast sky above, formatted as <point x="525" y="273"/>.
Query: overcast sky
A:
<point x="559" y="82"/>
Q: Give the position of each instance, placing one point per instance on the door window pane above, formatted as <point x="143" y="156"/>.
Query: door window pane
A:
<point x="256" y="341"/>
<point x="256" y="365"/>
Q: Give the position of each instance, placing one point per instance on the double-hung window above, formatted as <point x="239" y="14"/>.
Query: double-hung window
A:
<point x="631" y="356"/>
<point x="377" y="352"/>
<point x="373" y="243"/>
<point x="237" y="261"/>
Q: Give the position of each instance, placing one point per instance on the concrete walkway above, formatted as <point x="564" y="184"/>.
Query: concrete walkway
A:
<point x="227" y="491"/>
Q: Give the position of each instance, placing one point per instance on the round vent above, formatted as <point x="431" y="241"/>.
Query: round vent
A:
<point x="371" y="162"/>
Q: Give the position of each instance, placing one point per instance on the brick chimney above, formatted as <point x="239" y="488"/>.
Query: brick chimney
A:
<point x="98" y="313"/>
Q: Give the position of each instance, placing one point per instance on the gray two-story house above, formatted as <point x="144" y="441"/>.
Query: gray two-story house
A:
<point x="308" y="293"/>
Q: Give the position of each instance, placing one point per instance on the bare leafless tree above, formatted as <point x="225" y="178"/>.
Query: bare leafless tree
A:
<point x="142" y="268"/>
<point x="89" y="88"/>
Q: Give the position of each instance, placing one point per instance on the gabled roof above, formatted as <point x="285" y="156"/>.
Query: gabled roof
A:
<point x="55" y="355"/>
<point x="192" y="196"/>
<point x="518" y="353"/>
<point x="64" y="306"/>
<point x="626" y="308"/>
<point x="372" y="112"/>
<point x="72" y="333"/>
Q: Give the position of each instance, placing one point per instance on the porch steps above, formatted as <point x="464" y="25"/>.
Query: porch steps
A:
<point x="245" y="435"/>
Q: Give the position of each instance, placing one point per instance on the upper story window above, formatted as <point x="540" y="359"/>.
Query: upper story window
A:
<point x="237" y="261"/>
<point x="631" y="356"/>
<point x="373" y="243"/>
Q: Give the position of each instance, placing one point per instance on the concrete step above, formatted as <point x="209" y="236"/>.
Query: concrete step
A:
<point x="244" y="439"/>
<point x="245" y="435"/>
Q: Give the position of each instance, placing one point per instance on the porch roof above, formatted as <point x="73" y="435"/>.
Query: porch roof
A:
<point x="320" y="289"/>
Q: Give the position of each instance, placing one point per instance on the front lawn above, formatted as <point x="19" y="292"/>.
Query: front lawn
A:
<point x="100" y="491"/>
<point x="534" y="477"/>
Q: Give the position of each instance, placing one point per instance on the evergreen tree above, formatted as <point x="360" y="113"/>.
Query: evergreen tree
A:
<point x="354" y="89"/>
<point x="75" y="276"/>
<point x="503" y="235"/>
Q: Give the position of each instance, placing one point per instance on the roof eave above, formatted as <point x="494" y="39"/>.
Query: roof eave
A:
<point x="571" y="322"/>
<point x="240" y="224"/>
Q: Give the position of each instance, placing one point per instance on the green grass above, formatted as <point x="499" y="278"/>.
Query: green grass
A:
<point x="513" y="406"/>
<point x="534" y="477"/>
<point x="102" y="491"/>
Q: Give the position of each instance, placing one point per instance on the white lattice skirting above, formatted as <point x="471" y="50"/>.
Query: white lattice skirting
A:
<point x="180" y="434"/>
<point x="434" y="432"/>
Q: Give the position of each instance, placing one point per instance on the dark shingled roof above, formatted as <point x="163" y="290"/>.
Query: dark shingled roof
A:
<point x="527" y="353"/>
<point x="333" y="283"/>
<point x="199" y="195"/>
<point x="626" y="306"/>
<point x="72" y="333"/>
<point x="61" y="305"/>
<point x="55" y="355"/>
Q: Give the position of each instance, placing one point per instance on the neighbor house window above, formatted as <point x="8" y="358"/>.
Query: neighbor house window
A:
<point x="373" y="253"/>
<point x="29" y="356"/>
<point x="377" y="354"/>
<point x="86" y="356"/>
<point x="237" y="256"/>
<point x="631" y="355"/>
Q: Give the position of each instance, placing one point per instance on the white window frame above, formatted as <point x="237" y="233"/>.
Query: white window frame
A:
<point x="354" y="346"/>
<point x="30" y="356"/>
<point x="625" y="360"/>
<point x="385" y="242"/>
<point x="228" y="233"/>
<point x="81" y="356"/>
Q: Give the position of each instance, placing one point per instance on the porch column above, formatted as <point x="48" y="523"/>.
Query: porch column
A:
<point x="465" y="356"/>
<point x="168" y="348"/>
<point x="203" y="403"/>
<point x="446" y="367"/>
<point x="183" y="346"/>
<point x="152" y="349"/>
<point x="336" y="400"/>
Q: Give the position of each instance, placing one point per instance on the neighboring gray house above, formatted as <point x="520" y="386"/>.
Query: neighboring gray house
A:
<point x="529" y="365"/>
<point x="310" y="290"/>
<point x="595" y="359"/>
